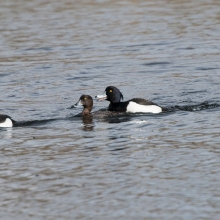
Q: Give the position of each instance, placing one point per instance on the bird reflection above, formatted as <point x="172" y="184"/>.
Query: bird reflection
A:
<point x="7" y="133"/>
<point x="88" y="123"/>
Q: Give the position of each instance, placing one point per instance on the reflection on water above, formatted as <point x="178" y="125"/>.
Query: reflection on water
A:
<point x="6" y="133"/>
<point x="148" y="166"/>
<point x="88" y="123"/>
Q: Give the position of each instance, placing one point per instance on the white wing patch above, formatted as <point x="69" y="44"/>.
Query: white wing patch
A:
<point x="7" y="123"/>
<point x="133" y="107"/>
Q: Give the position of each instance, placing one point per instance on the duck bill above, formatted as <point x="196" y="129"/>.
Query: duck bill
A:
<point x="77" y="105"/>
<point x="101" y="97"/>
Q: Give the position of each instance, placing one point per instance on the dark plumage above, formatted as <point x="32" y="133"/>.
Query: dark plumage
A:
<point x="6" y="121"/>
<point x="114" y="96"/>
<point x="142" y="101"/>
<point x="87" y="102"/>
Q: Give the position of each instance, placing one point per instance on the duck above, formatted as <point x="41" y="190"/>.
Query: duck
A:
<point x="87" y="102"/>
<point x="135" y="105"/>
<point x="6" y="121"/>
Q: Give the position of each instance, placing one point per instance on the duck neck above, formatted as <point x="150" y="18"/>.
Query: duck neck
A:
<point x="86" y="111"/>
<point x="118" y="107"/>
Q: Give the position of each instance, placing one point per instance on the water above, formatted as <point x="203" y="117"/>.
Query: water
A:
<point x="134" y="167"/>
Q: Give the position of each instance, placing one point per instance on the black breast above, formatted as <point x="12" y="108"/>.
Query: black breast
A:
<point x="118" y="107"/>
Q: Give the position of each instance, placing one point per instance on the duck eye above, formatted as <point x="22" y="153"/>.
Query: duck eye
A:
<point x="110" y="90"/>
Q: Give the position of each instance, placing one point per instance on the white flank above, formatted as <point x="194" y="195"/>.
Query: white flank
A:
<point x="133" y="107"/>
<point x="7" y="124"/>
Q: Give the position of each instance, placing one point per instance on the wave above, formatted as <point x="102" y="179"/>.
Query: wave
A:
<point x="192" y="108"/>
<point x="33" y="122"/>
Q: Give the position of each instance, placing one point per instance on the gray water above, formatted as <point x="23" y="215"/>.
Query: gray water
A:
<point x="162" y="166"/>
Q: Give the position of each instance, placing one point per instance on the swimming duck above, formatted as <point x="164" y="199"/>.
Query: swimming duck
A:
<point x="6" y="121"/>
<point x="87" y="102"/>
<point x="135" y="105"/>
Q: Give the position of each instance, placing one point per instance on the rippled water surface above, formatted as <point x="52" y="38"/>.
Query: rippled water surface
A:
<point x="162" y="166"/>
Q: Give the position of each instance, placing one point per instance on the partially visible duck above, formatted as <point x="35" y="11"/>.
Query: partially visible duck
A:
<point x="6" y="121"/>
<point x="135" y="105"/>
